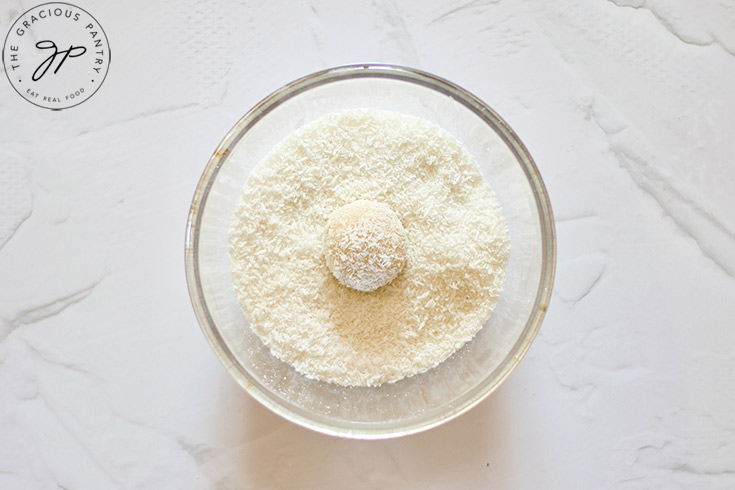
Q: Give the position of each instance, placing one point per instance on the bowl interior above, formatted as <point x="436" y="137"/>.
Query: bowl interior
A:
<point x="423" y="400"/>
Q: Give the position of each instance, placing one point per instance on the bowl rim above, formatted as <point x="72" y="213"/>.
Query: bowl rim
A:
<point x="367" y="430"/>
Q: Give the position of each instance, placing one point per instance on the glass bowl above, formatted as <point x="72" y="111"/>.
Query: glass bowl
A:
<point x="472" y="373"/>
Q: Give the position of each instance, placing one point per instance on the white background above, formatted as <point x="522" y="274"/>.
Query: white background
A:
<point x="106" y="381"/>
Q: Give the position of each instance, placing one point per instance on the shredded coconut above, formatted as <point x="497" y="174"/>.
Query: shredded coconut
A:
<point x="457" y="248"/>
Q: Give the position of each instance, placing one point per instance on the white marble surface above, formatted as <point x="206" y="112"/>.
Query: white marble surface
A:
<point x="627" y="106"/>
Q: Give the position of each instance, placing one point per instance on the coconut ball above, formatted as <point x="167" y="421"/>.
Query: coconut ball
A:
<point x="365" y="245"/>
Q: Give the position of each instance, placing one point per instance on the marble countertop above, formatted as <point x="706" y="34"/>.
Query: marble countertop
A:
<point x="627" y="106"/>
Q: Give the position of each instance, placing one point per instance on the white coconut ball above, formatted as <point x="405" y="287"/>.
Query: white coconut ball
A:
<point x="365" y="245"/>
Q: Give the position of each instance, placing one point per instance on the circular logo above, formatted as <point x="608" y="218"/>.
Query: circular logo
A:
<point x="56" y="55"/>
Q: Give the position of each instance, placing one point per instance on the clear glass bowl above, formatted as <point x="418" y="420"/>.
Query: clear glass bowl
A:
<point x="422" y="401"/>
